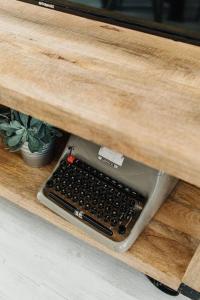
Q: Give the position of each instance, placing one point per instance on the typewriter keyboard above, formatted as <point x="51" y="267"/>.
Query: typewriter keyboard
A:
<point x="98" y="200"/>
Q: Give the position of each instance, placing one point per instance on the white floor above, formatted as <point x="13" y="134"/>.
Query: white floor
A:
<point x="40" y="262"/>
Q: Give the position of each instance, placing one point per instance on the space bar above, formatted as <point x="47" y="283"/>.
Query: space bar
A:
<point x="98" y="225"/>
<point x="70" y="208"/>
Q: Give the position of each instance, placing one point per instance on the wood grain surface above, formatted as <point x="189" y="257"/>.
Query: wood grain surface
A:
<point x="192" y="275"/>
<point x="134" y="92"/>
<point x="164" y="249"/>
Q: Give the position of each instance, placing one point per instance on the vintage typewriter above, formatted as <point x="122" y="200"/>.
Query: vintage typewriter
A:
<point x="109" y="196"/>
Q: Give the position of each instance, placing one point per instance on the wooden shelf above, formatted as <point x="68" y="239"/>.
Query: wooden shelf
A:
<point x="163" y="251"/>
<point x="134" y="92"/>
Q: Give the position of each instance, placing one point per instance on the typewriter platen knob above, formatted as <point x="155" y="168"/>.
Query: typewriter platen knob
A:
<point x="122" y="229"/>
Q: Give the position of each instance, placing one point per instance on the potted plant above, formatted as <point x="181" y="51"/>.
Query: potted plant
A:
<point x="4" y="114"/>
<point x="34" y="138"/>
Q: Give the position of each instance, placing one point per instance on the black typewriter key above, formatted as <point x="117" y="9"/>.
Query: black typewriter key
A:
<point x="102" y="196"/>
<point x="50" y="183"/>
<point x="110" y="200"/>
<point x="63" y="163"/>
<point x="94" y="211"/>
<point x="76" y="190"/>
<point x="58" y="179"/>
<point x="92" y="178"/>
<point x="88" y="168"/>
<point x="75" y="198"/>
<point x="64" y="167"/>
<point x="113" y="182"/>
<point x="113" y="222"/>
<point x="107" y="209"/>
<point x="118" y="194"/>
<point x="114" y="213"/>
<point x="107" y="218"/>
<point x="123" y="207"/>
<point x="68" y="194"/>
<point x="95" y="201"/>
<point x="116" y="204"/>
<point x="120" y="186"/>
<point x="57" y="188"/>
<point x="88" y="197"/>
<point x="122" y="229"/>
<point x="94" y="172"/>
<point x="127" y="189"/>
<point x="81" y="202"/>
<point x="100" y="214"/>
<point x="87" y="206"/>
<point x="62" y="191"/>
<point x="100" y="205"/>
<point x="133" y="193"/>
<point x="61" y="171"/>
<point x="121" y="217"/>
<point x="128" y="216"/>
<point x="131" y="201"/>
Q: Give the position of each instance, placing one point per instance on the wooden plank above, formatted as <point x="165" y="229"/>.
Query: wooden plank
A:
<point x="134" y="92"/>
<point x="162" y="251"/>
<point x="192" y="274"/>
<point x="182" y="209"/>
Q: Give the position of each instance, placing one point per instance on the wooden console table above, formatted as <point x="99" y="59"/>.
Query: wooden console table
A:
<point x="133" y="92"/>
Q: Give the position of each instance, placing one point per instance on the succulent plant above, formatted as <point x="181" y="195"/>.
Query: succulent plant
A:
<point x="22" y="128"/>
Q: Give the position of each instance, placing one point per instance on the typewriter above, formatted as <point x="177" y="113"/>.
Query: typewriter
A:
<point x="109" y="196"/>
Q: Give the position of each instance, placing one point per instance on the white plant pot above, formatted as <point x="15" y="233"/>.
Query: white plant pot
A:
<point x="37" y="159"/>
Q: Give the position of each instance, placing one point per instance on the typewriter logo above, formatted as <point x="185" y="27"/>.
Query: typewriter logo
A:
<point x="46" y="4"/>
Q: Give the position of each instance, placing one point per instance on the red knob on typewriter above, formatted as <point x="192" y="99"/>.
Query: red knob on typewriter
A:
<point x="71" y="158"/>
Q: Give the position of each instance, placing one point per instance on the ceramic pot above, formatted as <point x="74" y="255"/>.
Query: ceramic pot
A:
<point x="38" y="159"/>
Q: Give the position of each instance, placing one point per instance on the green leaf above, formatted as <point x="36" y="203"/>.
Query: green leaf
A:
<point x="34" y="144"/>
<point x="47" y="138"/>
<point x="10" y="132"/>
<point x="15" y="116"/>
<point x="35" y="122"/>
<point x="14" y="141"/>
<point x="24" y="119"/>
<point x="42" y="132"/>
<point x="20" y="131"/>
<point x="4" y="126"/>
<point x="15" y="125"/>
<point x="24" y="137"/>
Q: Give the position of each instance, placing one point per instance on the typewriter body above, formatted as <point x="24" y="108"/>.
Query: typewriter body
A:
<point x="111" y="197"/>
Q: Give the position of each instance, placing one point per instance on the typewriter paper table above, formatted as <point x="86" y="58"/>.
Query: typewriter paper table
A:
<point x="133" y="92"/>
